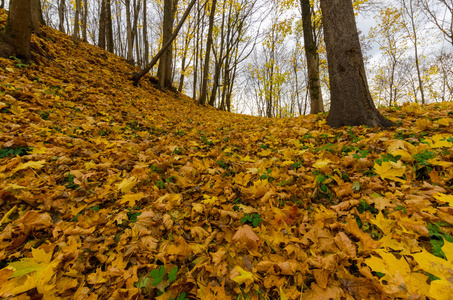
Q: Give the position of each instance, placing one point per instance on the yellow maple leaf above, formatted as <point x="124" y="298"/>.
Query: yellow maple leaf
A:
<point x="390" y="170"/>
<point x="209" y="200"/>
<point x="440" y="141"/>
<point x="442" y="198"/>
<point x="131" y="199"/>
<point x="127" y="184"/>
<point x="30" y="164"/>
<point x="240" y="275"/>
<point x="384" y="224"/>
<point x="441" y="268"/>
<point x="29" y="273"/>
<point x="321" y="164"/>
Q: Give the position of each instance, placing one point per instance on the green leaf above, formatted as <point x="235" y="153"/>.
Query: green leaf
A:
<point x="356" y="186"/>
<point x="172" y="274"/>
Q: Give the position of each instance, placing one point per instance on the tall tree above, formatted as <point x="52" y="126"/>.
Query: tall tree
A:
<point x="164" y="72"/>
<point x="142" y="73"/>
<point x="204" y="89"/>
<point x="410" y="12"/>
<point x="145" y="35"/>
<point x="311" y="53"/>
<point x="102" y="25"/>
<point x="351" y="102"/>
<point x="75" y="36"/>
<point x="108" y="26"/>
<point x="15" y="38"/>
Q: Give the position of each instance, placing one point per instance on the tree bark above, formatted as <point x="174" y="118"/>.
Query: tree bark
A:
<point x="84" y="21"/>
<point x="75" y="36"/>
<point x="15" y="38"/>
<point x="311" y="53"/>
<point x="351" y="102"/>
<point x="164" y="72"/>
<point x="2" y="4"/>
<point x="145" y="35"/>
<point x="102" y="19"/>
<point x="109" y="26"/>
<point x="37" y="18"/>
<point x="61" y="10"/>
<point x="204" y="89"/>
<point x="130" y="42"/>
<point x="139" y="75"/>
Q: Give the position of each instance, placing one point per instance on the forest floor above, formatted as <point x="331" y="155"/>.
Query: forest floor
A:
<point x="113" y="191"/>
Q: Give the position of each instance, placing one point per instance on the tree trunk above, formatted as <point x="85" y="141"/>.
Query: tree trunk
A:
<point x="218" y="60"/>
<point x="37" y="18"/>
<point x="102" y="19"/>
<point x="130" y="42"/>
<point x="204" y="89"/>
<point x="61" y="11"/>
<point x="311" y="53"/>
<point x="145" y="35"/>
<point x="164" y="70"/>
<point x="2" y="4"/>
<point x="351" y="102"/>
<point x="84" y="21"/>
<point x="109" y="26"/>
<point x="75" y="36"/>
<point x="15" y="38"/>
<point x="417" y="63"/>
<point x="139" y="75"/>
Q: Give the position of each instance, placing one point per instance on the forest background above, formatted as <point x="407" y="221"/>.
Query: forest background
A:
<point x="258" y="48"/>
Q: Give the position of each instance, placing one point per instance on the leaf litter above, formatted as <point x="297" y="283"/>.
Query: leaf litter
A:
<point x="113" y="191"/>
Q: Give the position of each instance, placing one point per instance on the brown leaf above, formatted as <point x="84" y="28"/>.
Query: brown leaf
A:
<point x="245" y="237"/>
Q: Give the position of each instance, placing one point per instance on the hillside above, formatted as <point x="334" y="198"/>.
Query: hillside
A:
<point x="110" y="191"/>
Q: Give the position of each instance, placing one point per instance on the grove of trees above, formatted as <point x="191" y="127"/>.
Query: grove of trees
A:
<point x="267" y="58"/>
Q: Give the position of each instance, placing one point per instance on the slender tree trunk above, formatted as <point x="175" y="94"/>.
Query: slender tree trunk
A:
<point x="102" y="30"/>
<point x="118" y="29"/>
<point x="109" y="26"/>
<point x="84" y="21"/>
<point x="145" y="35"/>
<point x="311" y="53"/>
<point x="2" y="4"/>
<point x="75" y="36"/>
<point x="219" y="60"/>
<point x="130" y="42"/>
<point x="61" y="11"/>
<point x="15" y="38"/>
<point x="204" y="89"/>
<point x="139" y="75"/>
<point x="351" y="102"/>
<point x="417" y="63"/>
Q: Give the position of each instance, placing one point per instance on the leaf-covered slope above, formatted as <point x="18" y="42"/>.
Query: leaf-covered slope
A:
<point x="113" y="191"/>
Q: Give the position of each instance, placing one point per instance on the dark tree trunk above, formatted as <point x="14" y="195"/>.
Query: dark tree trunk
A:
<point x="109" y="26"/>
<point x="142" y="73"/>
<point x="311" y="53"/>
<point x="164" y="72"/>
<point x="15" y="38"/>
<point x="37" y="18"/>
<point x="61" y="11"/>
<point x="351" y="102"/>
<point x="2" y="4"/>
<point x="145" y="35"/>
<point x="102" y="19"/>
<point x="75" y="37"/>
<point x="84" y="21"/>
